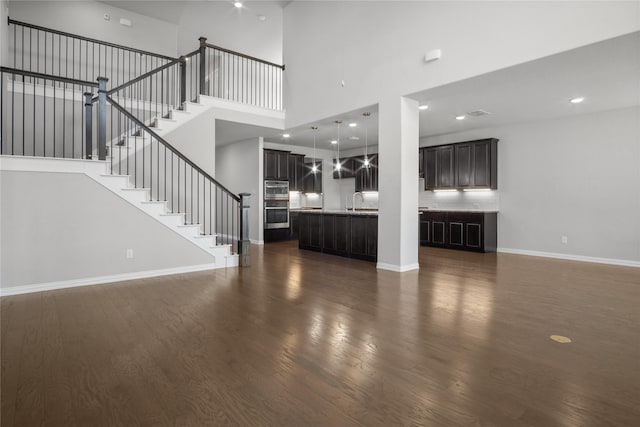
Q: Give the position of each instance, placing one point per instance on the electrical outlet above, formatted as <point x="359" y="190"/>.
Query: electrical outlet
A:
<point x="565" y="240"/>
<point x="129" y="253"/>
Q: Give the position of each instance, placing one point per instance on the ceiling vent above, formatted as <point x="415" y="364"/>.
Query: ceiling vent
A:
<point x="478" y="113"/>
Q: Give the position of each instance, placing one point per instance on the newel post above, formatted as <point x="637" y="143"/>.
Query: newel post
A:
<point x="102" y="118"/>
<point x="183" y="81"/>
<point x="204" y="90"/>
<point x="244" y="242"/>
<point x="88" y="124"/>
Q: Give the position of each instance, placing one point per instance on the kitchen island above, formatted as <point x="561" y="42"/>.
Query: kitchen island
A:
<point x="352" y="234"/>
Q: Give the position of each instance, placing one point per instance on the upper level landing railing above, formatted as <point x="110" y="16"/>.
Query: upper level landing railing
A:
<point x="49" y="51"/>
<point x="213" y="71"/>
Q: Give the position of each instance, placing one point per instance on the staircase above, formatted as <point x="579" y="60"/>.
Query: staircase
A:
<point x="119" y="132"/>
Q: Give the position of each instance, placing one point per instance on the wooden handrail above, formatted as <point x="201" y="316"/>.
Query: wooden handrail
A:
<point x="170" y="147"/>
<point x="48" y="77"/>
<point x="88" y="39"/>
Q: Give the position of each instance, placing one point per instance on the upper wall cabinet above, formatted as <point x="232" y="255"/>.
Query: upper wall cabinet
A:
<point x="347" y="168"/>
<point x="296" y="172"/>
<point x="276" y="165"/>
<point x="313" y="180"/>
<point x="366" y="176"/>
<point x="439" y="167"/>
<point x="471" y="164"/>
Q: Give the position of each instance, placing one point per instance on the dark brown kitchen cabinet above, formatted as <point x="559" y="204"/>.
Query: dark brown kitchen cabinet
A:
<point x="367" y="176"/>
<point x="348" y="235"/>
<point x="335" y="234"/>
<point x="296" y="172"/>
<point x="276" y="165"/>
<point x="476" y="164"/>
<point x="463" y="167"/>
<point x="421" y="163"/>
<point x="484" y="172"/>
<point x="364" y="237"/>
<point x="310" y="231"/>
<point x="425" y="230"/>
<point x="294" y="225"/>
<point x="312" y="181"/>
<point x="439" y="167"/>
<point x="471" y="164"/>
<point x="471" y="231"/>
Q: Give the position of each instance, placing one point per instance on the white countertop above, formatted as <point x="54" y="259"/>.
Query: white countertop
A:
<point x="336" y="211"/>
<point x="457" y="210"/>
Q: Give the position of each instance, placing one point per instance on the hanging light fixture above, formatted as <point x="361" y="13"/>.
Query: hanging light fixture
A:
<point x="366" y="140"/>
<point x="314" y="168"/>
<point x="338" y="165"/>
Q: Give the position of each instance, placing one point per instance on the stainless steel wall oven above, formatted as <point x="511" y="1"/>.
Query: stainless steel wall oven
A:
<point x="276" y="204"/>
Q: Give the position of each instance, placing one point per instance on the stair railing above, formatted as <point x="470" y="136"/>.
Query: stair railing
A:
<point x="240" y="78"/>
<point x="49" y="51"/>
<point x="171" y="177"/>
<point x="43" y="115"/>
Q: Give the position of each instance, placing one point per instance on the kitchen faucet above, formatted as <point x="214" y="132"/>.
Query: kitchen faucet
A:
<point x="353" y="200"/>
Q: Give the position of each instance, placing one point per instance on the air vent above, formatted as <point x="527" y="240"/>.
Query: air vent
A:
<point x="478" y="113"/>
<point x="354" y="138"/>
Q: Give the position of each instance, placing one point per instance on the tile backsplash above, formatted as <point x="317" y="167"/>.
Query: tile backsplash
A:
<point x="483" y="200"/>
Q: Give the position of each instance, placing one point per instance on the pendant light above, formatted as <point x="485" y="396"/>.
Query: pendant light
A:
<point x="338" y="166"/>
<point x="314" y="168"/>
<point x="366" y="140"/>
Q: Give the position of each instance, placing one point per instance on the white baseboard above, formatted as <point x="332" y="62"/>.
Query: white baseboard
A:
<point x="611" y="261"/>
<point x="25" y="289"/>
<point x="257" y="242"/>
<point x="397" y="268"/>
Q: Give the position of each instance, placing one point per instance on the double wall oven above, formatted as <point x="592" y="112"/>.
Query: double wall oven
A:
<point x="276" y="204"/>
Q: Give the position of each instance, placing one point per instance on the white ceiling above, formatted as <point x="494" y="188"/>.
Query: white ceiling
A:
<point x="172" y="10"/>
<point x="607" y="74"/>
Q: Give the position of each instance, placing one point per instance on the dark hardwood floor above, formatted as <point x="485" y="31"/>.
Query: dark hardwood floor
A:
<point x="305" y="339"/>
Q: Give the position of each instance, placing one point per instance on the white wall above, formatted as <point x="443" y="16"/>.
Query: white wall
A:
<point x="576" y="177"/>
<point x="69" y="227"/>
<point x="85" y="18"/>
<point x="236" y="29"/>
<point x="238" y="167"/>
<point x="377" y="48"/>
<point x="4" y="33"/>
<point x="196" y="139"/>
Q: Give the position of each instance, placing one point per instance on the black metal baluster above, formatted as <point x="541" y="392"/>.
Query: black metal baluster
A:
<point x="2" y="139"/>
<point x="178" y="199"/>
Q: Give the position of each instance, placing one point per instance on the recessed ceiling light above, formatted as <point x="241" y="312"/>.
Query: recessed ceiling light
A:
<point x="423" y="107"/>
<point x="334" y="141"/>
<point x="460" y="117"/>
<point x="352" y="125"/>
<point x="238" y="4"/>
<point x="577" y="100"/>
<point x="285" y="135"/>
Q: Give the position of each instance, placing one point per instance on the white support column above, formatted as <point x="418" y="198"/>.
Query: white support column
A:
<point x="398" y="232"/>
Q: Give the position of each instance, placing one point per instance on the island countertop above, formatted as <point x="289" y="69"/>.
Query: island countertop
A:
<point x="337" y="211"/>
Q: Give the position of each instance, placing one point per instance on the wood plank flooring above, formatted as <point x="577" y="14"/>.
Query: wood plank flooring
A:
<point x="306" y="339"/>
